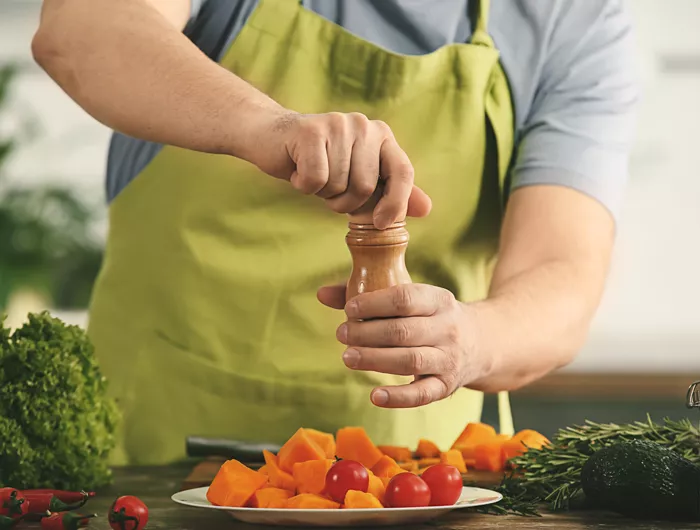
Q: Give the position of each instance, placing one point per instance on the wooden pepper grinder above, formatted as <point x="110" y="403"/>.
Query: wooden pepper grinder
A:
<point x="378" y="256"/>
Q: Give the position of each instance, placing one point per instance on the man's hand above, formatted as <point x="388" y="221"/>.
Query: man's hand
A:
<point x="339" y="158"/>
<point x="421" y="331"/>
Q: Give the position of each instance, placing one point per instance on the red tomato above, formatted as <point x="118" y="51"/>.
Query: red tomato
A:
<point x="407" y="490"/>
<point x="12" y="503"/>
<point x="128" y="513"/>
<point x="346" y="475"/>
<point x="445" y="483"/>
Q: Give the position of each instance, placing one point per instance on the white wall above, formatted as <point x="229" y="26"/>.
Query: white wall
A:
<point x="650" y="318"/>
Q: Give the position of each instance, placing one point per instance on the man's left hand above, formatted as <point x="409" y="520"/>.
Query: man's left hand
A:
<point x="411" y="329"/>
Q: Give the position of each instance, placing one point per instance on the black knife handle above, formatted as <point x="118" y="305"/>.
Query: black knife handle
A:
<point x="246" y="452"/>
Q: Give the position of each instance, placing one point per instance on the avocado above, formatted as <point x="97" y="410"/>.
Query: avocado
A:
<point x="642" y="479"/>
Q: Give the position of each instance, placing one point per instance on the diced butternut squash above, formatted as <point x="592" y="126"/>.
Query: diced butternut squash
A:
<point x="453" y="457"/>
<point x="474" y="433"/>
<point x="277" y="477"/>
<point x="488" y="457"/>
<point x="377" y="487"/>
<point x="511" y="449"/>
<point x="399" y="454"/>
<point x="503" y="437"/>
<point x="325" y="441"/>
<point x="299" y="448"/>
<point x="470" y="462"/>
<point x="386" y="467"/>
<point x="234" y="485"/>
<point x="427" y="449"/>
<point x="385" y="481"/>
<point x="270" y="498"/>
<point x="411" y="467"/>
<point x="358" y="499"/>
<point x="352" y="443"/>
<point x="531" y="439"/>
<point x="263" y="470"/>
<point x="310" y="476"/>
<point x="427" y="462"/>
<point x="309" y="501"/>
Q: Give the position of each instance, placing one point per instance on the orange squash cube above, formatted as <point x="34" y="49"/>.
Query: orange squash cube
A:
<point x="309" y="501"/>
<point x="299" y="448"/>
<point x="358" y="499"/>
<point x="310" y="476"/>
<point x="234" y="485"/>
<point x="352" y="443"/>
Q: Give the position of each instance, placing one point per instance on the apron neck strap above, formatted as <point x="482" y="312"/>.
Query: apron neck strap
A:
<point x="479" y="14"/>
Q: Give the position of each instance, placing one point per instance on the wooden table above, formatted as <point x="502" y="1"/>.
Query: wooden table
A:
<point x="155" y="486"/>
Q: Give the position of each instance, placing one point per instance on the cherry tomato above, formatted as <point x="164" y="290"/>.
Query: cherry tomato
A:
<point x="346" y="475"/>
<point x="445" y="483"/>
<point x="12" y="503"/>
<point x="407" y="490"/>
<point x="128" y="513"/>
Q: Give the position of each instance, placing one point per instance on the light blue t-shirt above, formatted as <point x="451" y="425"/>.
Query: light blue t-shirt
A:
<point x="570" y="65"/>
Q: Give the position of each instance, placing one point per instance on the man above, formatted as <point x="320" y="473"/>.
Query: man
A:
<point x="238" y="147"/>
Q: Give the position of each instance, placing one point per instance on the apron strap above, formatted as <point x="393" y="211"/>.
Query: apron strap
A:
<point x="479" y="14"/>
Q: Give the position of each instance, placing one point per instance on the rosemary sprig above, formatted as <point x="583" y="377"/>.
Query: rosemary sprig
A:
<point x="551" y="475"/>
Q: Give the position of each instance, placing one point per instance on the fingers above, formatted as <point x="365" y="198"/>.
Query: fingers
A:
<point x="419" y="393"/>
<point x="311" y="174"/>
<point x="339" y="151"/>
<point x="397" y="361"/>
<point x="332" y="296"/>
<point x="411" y="331"/>
<point x="364" y="165"/>
<point x="406" y="300"/>
<point x="397" y="171"/>
<point x="419" y="203"/>
<point x="339" y="157"/>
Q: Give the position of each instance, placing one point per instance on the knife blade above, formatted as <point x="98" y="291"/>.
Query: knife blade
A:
<point x="246" y="452"/>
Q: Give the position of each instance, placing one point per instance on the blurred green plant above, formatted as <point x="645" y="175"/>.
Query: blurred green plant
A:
<point x="45" y="240"/>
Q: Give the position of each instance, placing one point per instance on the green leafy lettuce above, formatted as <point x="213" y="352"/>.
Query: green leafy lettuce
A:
<point x="57" y="423"/>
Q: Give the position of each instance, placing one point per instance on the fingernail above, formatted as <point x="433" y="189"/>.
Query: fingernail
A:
<point x="380" y="397"/>
<point x="342" y="333"/>
<point x="351" y="308"/>
<point x="351" y="358"/>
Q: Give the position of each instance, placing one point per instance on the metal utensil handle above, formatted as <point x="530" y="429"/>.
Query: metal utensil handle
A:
<point x="693" y="397"/>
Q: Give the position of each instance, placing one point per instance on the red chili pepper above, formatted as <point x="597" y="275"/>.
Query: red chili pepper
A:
<point x="65" y="521"/>
<point x="12" y="503"/>
<point x="65" y="496"/>
<point x="42" y="502"/>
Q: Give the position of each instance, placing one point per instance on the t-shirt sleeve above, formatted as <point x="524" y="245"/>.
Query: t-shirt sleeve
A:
<point x="195" y="6"/>
<point x="580" y="127"/>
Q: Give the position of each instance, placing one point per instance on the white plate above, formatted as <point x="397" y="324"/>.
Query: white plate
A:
<point x="470" y="498"/>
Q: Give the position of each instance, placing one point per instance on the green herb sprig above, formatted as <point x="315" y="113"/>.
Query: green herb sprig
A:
<point x="551" y="475"/>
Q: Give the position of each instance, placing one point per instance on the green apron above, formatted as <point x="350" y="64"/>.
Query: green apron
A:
<point x="204" y="316"/>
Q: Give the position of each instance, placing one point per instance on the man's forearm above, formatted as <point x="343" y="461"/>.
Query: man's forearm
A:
<point x="132" y="70"/>
<point x="534" y="322"/>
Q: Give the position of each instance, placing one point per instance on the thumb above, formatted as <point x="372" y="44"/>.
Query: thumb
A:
<point x="332" y="296"/>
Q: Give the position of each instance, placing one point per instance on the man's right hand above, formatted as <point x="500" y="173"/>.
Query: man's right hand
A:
<point x="340" y="157"/>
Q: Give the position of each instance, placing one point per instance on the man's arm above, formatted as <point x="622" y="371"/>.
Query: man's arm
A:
<point x="555" y="252"/>
<point x="127" y="63"/>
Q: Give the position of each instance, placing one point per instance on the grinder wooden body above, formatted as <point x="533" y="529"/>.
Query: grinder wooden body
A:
<point x="378" y="256"/>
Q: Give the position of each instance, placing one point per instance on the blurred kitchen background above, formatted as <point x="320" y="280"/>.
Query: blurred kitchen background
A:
<point x="644" y="348"/>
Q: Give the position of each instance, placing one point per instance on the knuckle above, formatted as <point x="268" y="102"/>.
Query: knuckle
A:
<point x="333" y="188"/>
<point x="404" y="171"/>
<point x="364" y="188"/>
<point x="337" y="120"/>
<point x="423" y="396"/>
<point x="453" y="332"/>
<point x="401" y="299"/>
<point x="398" y="331"/>
<point x="446" y="298"/>
<point x="359" y="120"/>
<point x="416" y="362"/>
<point x="382" y="127"/>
